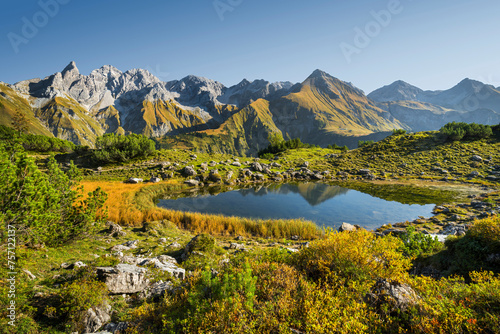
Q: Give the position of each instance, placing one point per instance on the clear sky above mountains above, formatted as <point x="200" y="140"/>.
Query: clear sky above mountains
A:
<point x="430" y="44"/>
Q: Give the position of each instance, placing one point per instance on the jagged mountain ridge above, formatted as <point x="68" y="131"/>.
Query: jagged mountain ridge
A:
<point x="135" y="101"/>
<point x="321" y="110"/>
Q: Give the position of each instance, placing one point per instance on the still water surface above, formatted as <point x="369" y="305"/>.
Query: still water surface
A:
<point x="326" y="205"/>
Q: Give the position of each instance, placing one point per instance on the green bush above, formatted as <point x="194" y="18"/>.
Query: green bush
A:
<point x="337" y="147"/>
<point x="44" y="207"/>
<point x="40" y="143"/>
<point x="472" y="251"/>
<point x="464" y="131"/>
<point x="416" y="244"/>
<point x="398" y="132"/>
<point x="363" y="143"/>
<point x="358" y="256"/>
<point x="78" y="297"/>
<point x="277" y="145"/>
<point x="36" y="143"/>
<point x="113" y="148"/>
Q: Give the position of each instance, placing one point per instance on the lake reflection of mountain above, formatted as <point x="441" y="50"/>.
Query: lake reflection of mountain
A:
<point x="317" y="202"/>
<point x="313" y="193"/>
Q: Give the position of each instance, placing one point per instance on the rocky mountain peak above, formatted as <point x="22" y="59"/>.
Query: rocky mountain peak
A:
<point x="397" y="91"/>
<point x="319" y="74"/>
<point x="473" y="86"/>
<point x="70" y="70"/>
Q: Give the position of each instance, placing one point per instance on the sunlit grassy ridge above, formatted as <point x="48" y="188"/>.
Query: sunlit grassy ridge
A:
<point x="347" y="112"/>
<point x="70" y="121"/>
<point x="11" y="103"/>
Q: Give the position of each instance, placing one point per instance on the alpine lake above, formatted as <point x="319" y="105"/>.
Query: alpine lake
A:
<point x="326" y="204"/>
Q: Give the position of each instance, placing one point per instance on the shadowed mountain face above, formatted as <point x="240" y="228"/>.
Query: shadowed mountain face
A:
<point x="204" y="114"/>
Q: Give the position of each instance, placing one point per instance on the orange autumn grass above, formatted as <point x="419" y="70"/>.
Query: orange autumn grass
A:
<point x="133" y="204"/>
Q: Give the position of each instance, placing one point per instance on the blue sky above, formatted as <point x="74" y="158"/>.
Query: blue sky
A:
<point x="431" y="44"/>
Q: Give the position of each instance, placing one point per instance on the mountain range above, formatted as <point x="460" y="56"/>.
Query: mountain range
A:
<point x="200" y="113"/>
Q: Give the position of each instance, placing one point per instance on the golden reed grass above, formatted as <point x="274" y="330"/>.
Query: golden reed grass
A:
<point x="133" y="204"/>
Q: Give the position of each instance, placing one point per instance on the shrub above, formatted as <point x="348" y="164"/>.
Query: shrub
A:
<point x="36" y="143"/>
<point x="398" y="132"/>
<point x="78" y="297"/>
<point x="416" y="244"/>
<point x="358" y="256"/>
<point x="337" y="147"/>
<point x="472" y="251"/>
<point x="40" y="143"/>
<point x="44" y="207"/>
<point x="451" y="306"/>
<point x="363" y="143"/>
<point x="277" y="145"/>
<point x="112" y="148"/>
<point x="220" y="303"/>
<point x="457" y="131"/>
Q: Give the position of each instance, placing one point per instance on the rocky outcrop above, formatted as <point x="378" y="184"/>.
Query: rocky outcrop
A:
<point x="390" y="296"/>
<point x="189" y="171"/>
<point x="347" y="227"/>
<point x="115" y="230"/>
<point x="96" y="317"/>
<point x="124" y="278"/>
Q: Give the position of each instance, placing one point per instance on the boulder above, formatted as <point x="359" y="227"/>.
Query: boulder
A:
<point x="259" y="177"/>
<point x="164" y="164"/>
<point x="157" y="289"/>
<point x="347" y="227"/>
<point x="188" y="171"/>
<point x="165" y="266"/>
<point x="174" y="245"/>
<point x="247" y="172"/>
<point x="214" y="176"/>
<point x="229" y="175"/>
<point x="474" y="173"/>
<point x="317" y="176"/>
<point x="134" y="180"/>
<point x="124" y="278"/>
<point x="116" y="327"/>
<point x="96" y="317"/>
<point x="79" y="264"/>
<point x="236" y="164"/>
<point x="476" y="158"/>
<point x="235" y="245"/>
<point x="192" y="183"/>
<point x="115" y="230"/>
<point x="364" y="172"/>
<point x="131" y="244"/>
<point x="257" y="167"/>
<point x="155" y="179"/>
<point x="391" y="297"/>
